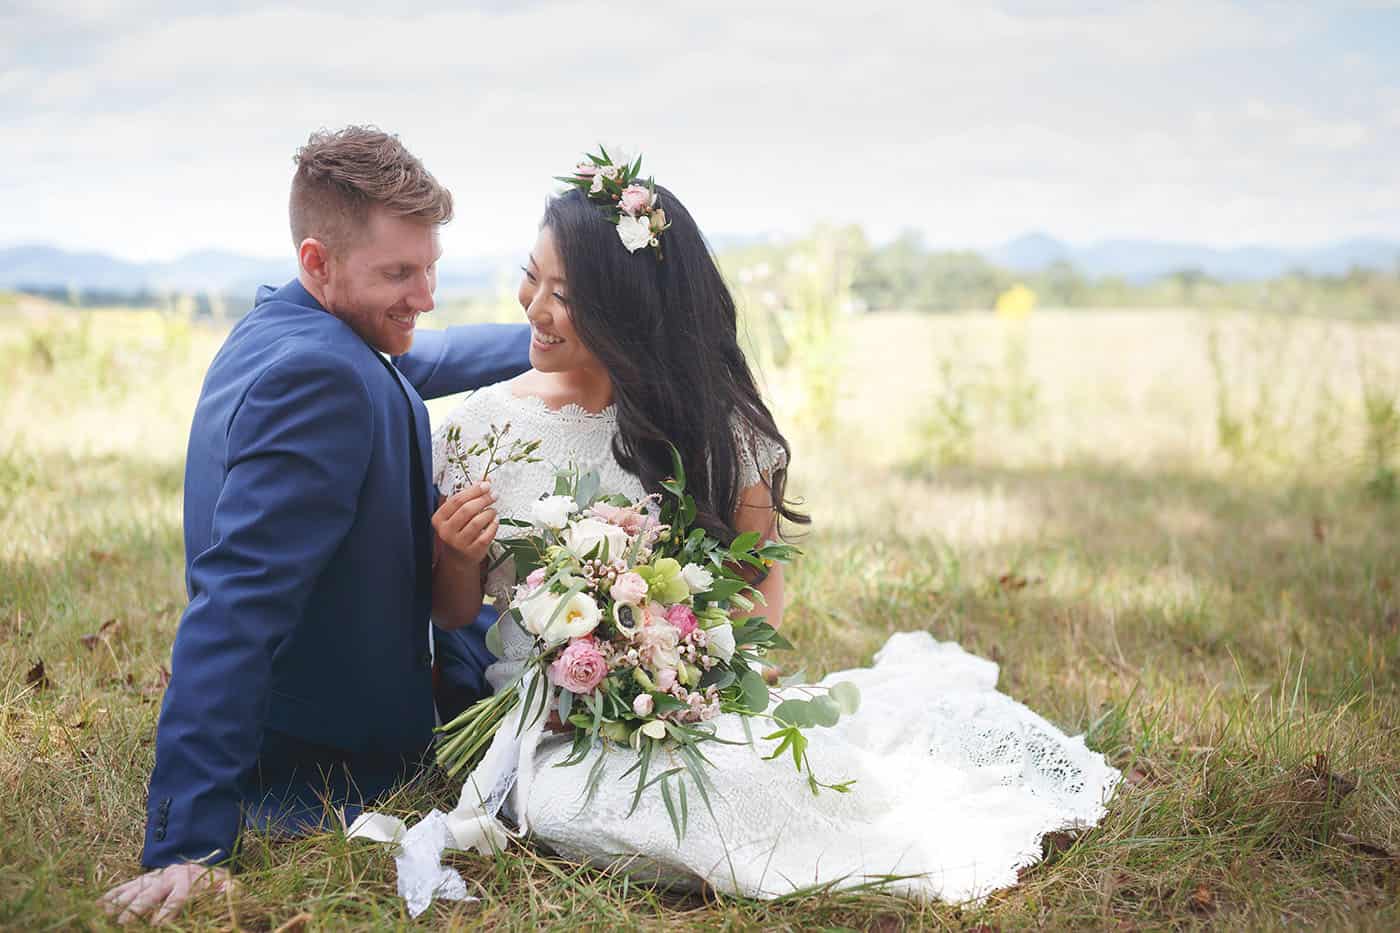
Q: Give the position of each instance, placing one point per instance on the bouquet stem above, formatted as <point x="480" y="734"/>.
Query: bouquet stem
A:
<point x="468" y="735"/>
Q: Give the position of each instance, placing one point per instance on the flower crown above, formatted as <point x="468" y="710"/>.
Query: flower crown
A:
<point x="626" y="202"/>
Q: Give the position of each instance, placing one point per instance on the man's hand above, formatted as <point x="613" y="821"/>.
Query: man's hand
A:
<point x="466" y="523"/>
<point x="165" y="891"/>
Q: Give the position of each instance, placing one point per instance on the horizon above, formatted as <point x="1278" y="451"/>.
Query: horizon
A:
<point x="779" y="239"/>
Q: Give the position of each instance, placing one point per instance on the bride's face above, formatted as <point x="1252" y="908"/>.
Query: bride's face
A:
<point x="544" y="294"/>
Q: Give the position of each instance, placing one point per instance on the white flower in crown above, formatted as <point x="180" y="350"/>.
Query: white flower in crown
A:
<point x="597" y="187"/>
<point x="635" y="232"/>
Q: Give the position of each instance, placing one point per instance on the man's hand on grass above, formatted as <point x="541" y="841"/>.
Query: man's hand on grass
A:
<point x="161" y="893"/>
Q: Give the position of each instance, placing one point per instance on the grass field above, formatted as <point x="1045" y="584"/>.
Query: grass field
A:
<point x="1193" y="558"/>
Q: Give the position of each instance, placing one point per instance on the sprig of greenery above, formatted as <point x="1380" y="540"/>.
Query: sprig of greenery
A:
<point x="493" y="446"/>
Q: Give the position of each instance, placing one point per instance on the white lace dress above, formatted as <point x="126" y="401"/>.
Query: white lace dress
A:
<point x="955" y="783"/>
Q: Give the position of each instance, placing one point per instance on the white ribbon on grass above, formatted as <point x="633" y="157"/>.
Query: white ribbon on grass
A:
<point x="507" y="765"/>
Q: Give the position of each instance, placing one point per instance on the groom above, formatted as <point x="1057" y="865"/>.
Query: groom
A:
<point x="302" y="668"/>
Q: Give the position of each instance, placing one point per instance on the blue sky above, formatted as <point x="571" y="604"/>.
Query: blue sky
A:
<point x="149" y="128"/>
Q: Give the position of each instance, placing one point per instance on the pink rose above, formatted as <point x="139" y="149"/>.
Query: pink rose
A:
<point x="657" y="643"/>
<point x="635" y="200"/>
<point x="643" y="704"/>
<point x="580" y="667"/>
<point x="682" y="618"/>
<point x="665" y="679"/>
<point x="629" y="588"/>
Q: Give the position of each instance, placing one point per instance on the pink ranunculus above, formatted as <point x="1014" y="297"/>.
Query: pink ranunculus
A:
<point x="665" y="679"/>
<point x="683" y="618"/>
<point x="635" y="200"/>
<point x="628" y="588"/>
<point x="643" y="704"/>
<point x="580" y="667"/>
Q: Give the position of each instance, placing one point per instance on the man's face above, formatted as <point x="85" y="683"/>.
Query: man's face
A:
<point x="385" y="280"/>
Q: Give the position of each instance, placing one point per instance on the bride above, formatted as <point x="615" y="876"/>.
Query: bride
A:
<point x="634" y="349"/>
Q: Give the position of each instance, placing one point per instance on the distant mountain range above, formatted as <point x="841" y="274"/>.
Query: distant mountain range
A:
<point x="47" y="267"/>
<point x="1143" y="260"/>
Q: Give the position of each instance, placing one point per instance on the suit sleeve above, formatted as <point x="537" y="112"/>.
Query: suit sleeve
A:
<point x="469" y="356"/>
<point x="298" y="452"/>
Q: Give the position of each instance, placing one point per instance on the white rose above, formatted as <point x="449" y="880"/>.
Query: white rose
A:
<point x="635" y="232"/>
<point x="575" y="618"/>
<point x="553" y="511"/>
<point x="586" y="534"/>
<point x="720" y="641"/>
<point x="697" y="578"/>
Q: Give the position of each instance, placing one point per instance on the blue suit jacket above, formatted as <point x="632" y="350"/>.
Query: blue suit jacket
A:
<point x="307" y="565"/>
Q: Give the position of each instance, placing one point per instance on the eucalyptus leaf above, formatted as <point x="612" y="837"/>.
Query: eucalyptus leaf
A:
<point x="493" y="639"/>
<point x="795" y="713"/>
<point x="825" y="712"/>
<point x="588" y="486"/>
<point x="846" y="695"/>
<point x="754" y="692"/>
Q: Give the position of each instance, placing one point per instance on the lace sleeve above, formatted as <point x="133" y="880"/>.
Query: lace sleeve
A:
<point x="759" y="455"/>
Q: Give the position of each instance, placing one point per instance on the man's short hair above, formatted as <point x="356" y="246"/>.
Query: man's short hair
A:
<point x="341" y="175"/>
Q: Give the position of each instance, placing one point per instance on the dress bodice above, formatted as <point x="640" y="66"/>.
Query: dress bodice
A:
<point x="568" y="436"/>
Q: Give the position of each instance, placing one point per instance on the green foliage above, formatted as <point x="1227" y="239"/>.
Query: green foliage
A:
<point x="906" y="275"/>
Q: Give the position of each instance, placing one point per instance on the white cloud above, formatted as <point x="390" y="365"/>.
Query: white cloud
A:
<point x="152" y="129"/>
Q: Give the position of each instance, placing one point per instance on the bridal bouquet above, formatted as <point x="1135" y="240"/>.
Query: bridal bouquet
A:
<point x="640" y="639"/>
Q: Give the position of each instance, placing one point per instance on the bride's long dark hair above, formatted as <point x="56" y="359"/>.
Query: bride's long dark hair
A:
<point x="667" y="333"/>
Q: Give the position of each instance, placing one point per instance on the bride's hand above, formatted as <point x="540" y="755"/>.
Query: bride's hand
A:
<point x="466" y="523"/>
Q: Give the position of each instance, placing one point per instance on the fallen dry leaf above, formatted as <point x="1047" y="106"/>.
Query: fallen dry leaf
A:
<point x="1013" y="582"/>
<point x="154" y="689"/>
<point x="106" y="632"/>
<point x="1055" y="843"/>
<point x="102" y="557"/>
<point x="37" y="677"/>
<point x="1315" y="780"/>
<point x="1319" y="531"/>
<point x="1366" y="848"/>
<point x="1202" y="900"/>
<point x="296" y="924"/>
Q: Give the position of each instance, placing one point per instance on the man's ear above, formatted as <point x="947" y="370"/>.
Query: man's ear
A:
<point x="315" y="260"/>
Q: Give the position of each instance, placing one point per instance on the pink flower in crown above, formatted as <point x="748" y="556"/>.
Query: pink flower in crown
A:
<point x="536" y="578"/>
<point x="585" y="170"/>
<point x="683" y="618"/>
<point x="636" y="199"/>
<point x="665" y="679"/>
<point x="643" y="705"/>
<point x="579" y="667"/>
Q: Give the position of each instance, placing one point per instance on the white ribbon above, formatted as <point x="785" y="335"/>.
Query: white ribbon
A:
<point x="507" y="765"/>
